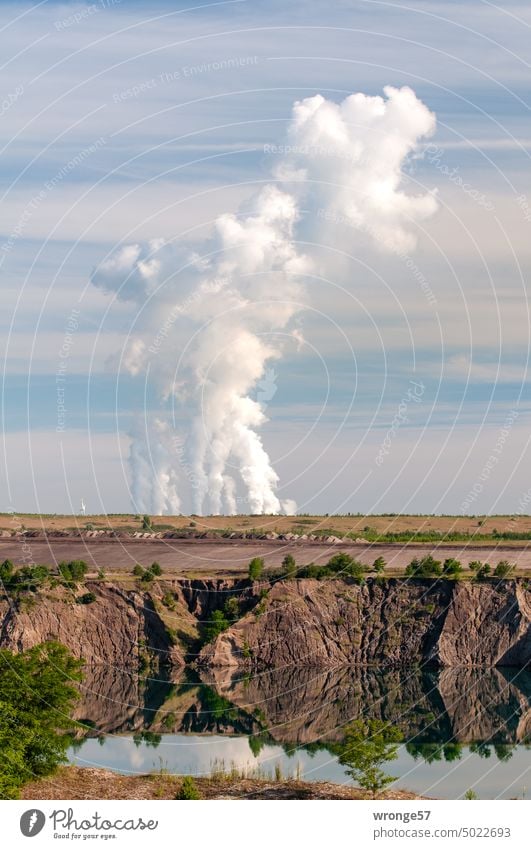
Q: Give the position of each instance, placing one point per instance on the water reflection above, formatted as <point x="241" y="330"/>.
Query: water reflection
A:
<point x="461" y="727"/>
<point x="304" y="707"/>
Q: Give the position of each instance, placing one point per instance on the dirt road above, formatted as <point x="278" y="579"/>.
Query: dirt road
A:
<point x="232" y="556"/>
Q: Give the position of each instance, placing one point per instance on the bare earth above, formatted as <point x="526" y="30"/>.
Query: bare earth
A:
<point x="231" y="557"/>
<point x="86" y="783"/>
<point x="280" y="524"/>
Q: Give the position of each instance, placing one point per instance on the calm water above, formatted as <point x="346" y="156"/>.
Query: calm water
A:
<point x="461" y="728"/>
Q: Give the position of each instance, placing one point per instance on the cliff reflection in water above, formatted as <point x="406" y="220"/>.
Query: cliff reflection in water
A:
<point x="304" y="708"/>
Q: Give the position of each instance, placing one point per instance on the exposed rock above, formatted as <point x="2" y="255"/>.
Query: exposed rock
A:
<point x="329" y="624"/>
<point x="487" y="625"/>
<point x="119" y="628"/>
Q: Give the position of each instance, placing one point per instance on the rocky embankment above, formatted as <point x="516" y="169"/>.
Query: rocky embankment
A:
<point x="319" y="624"/>
<point x="395" y="623"/>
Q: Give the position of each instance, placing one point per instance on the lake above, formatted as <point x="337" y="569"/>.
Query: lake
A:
<point x="461" y="728"/>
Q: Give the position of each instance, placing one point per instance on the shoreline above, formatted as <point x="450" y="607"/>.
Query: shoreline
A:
<point x="76" y="783"/>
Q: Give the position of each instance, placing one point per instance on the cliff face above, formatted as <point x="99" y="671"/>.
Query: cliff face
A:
<point x="321" y="625"/>
<point x="330" y="624"/>
<point x="119" y="628"/>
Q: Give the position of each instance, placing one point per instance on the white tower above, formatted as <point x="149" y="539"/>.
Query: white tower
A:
<point x="83" y="508"/>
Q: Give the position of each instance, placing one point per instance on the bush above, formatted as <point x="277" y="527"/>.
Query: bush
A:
<point x="6" y="571"/>
<point x="36" y="696"/>
<point x="189" y="789"/>
<point x="147" y="577"/>
<point x="138" y="571"/>
<point x="73" y="571"/>
<point x="155" y="569"/>
<point x="482" y="570"/>
<point x="146" y="524"/>
<point x="452" y="567"/>
<point x="28" y="578"/>
<point x="426" y="567"/>
<point x="231" y="609"/>
<point x="379" y="565"/>
<point x="256" y="567"/>
<point x="215" y="626"/>
<point x="367" y="744"/>
<point x="168" y="601"/>
<point x="289" y="567"/>
<point x="86" y="598"/>
<point x="503" y="569"/>
<point x="346" y="566"/>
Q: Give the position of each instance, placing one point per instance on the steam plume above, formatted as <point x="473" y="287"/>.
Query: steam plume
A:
<point x="211" y="322"/>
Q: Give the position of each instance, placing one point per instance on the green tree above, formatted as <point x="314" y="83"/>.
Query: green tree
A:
<point x="6" y="571"/>
<point x="452" y="567"/>
<point x="503" y="569"/>
<point x="426" y="567"/>
<point x="73" y="571"/>
<point x="379" y="565"/>
<point x="36" y="697"/>
<point x="217" y="623"/>
<point x="482" y="570"/>
<point x="138" y="571"/>
<point x="256" y="567"/>
<point x="231" y="609"/>
<point x="155" y="569"/>
<point x="289" y="567"/>
<point x="369" y="743"/>
<point x="345" y="565"/>
<point x="146" y="523"/>
<point x="147" y="577"/>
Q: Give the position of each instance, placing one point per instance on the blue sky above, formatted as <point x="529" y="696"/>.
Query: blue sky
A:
<point x="132" y="121"/>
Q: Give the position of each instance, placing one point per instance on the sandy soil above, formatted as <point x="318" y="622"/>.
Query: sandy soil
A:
<point x="129" y="522"/>
<point x="87" y="783"/>
<point x="231" y="557"/>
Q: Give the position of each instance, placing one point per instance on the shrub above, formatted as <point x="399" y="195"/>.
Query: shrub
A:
<point x="73" y="571"/>
<point x="155" y="569"/>
<point x="379" y="565"/>
<point x="482" y="570"/>
<point x="367" y="744"/>
<point x="503" y="569"/>
<point x="256" y="567"/>
<point x="138" y="571"/>
<point x="36" y="696"/>
<point x="147" y="577"/>
<point x="231" y="609"/>
<point x="168" y="601"/>
<point x="470" y="794"/>
<point x="6" y="571"/>
<point x="189" y="789"/>
<point x="146" y="524"/>
<point x="346" y="566"/>
<point x="426" y="567"/>
<point x="289" y="567"/>
<point x="215" y="626"/>
<point x="452" y="567"/>
<point x="86" y="598"/>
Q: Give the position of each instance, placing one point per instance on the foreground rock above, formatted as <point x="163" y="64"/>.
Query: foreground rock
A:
<point x="87" y="783"/>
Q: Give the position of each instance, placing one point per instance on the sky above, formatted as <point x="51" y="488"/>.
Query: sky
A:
<point x="399" y="384"/>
